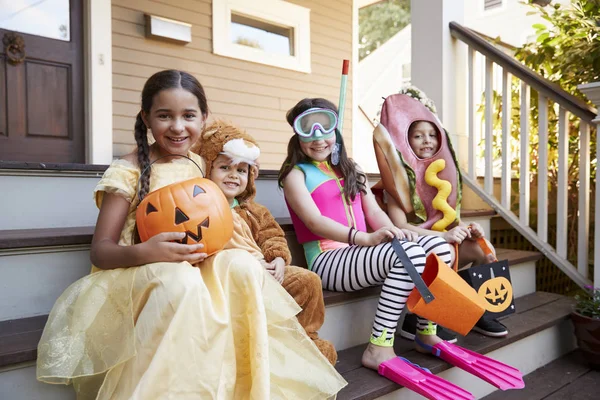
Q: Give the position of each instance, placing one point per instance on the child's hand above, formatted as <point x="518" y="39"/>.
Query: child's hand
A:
<point x="277" y="269"/>
<point x="410" y="236"/>
<point x="162" y="248"/>
<point x="381" y="235"/>
<point x="476" y="230"/>
<point x="457" y="234"/>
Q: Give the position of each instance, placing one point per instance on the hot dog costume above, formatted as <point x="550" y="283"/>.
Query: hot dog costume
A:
<point x="428" y="190"/>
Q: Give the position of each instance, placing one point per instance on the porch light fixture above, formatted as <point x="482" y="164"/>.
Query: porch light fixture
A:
<point x="168" y="29"/>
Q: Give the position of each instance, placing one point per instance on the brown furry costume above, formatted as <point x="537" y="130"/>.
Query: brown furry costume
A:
<point x="303" y="285"/>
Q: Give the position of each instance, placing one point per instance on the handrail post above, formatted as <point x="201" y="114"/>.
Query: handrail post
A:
<point x="592" y="91"/>
<point x="441" y="71"/>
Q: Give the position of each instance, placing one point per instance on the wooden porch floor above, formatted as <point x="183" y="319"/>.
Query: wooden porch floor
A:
<point x="568" y="378"/>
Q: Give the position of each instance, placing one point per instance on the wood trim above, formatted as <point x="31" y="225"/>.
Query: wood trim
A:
<point x="20" y="238"/>
<point x="536" y="81"/>
<point x="51" y="166"/>
<point x="19" y="339"/>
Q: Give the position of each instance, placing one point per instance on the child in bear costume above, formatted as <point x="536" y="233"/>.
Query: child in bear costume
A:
<point x="231" y="162"/>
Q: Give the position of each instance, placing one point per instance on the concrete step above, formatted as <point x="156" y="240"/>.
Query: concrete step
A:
<point x="349" y="316"/>
<point x="540" y="332"/>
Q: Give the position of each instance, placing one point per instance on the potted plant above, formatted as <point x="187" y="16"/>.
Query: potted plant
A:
<point x="586" y="320"/>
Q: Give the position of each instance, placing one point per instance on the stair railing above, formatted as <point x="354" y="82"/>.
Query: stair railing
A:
<point x="566" y="103"/>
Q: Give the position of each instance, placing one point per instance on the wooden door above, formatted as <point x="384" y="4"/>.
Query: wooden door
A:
<point x="41" y="96"/>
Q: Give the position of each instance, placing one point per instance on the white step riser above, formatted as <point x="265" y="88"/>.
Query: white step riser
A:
<point x="21" y="384"/>
<point x="527" y="355"/>
<point x="484" y="221"/>
<point x="48" y="273"/>
<point x="349" y="324"/>
<point x="31" y="283"/>
<point x="35" y="202"/>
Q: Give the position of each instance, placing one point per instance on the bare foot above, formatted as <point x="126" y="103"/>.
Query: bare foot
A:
<point x="430" y="340"/>
<point x="375" y="355"/>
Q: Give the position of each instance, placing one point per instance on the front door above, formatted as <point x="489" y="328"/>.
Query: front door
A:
<point x="41" y="81"/>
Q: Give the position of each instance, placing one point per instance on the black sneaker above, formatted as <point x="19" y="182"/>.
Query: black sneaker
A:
<point x="490" y="327"/>
<point x="409" y="328"/>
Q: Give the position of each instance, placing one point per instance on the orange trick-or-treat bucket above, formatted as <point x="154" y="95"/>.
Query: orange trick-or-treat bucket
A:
<point x="456" y="305"/>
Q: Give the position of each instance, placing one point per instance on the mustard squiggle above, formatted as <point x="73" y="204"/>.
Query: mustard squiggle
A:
<point x="440" y="202"/>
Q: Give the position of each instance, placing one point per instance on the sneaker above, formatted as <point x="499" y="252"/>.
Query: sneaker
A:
<point x="409" y="329"/>
<point x="490" y="327"/>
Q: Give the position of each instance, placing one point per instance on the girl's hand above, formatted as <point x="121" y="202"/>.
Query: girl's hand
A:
<point x="381" y="235"/>
<point x="410" y="236"/>
<point x="162" y="248"/>
<point x="476" y="230"/>
<point x="457" y="234"/>
<point x="277" y="269"/>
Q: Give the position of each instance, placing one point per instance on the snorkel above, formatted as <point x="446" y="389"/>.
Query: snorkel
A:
<point x="335" y="154"/>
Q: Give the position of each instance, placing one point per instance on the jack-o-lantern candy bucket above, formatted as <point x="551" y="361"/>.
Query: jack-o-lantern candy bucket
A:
<point x="196" y="207"/>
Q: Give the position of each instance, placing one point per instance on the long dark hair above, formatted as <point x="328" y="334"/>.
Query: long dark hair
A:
<point x="163" y="80"/>
<point x="354" y="181"/>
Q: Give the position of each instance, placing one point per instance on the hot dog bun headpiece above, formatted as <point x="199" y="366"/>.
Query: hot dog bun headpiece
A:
<point x="428" y="190"/>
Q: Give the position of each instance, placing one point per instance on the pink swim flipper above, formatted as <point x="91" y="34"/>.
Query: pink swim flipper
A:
<point x="420" y="380"/>
<point x="496" y="373"/>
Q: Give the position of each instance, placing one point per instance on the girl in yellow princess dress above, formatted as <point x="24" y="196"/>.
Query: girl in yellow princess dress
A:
<point x="160" y="320"/>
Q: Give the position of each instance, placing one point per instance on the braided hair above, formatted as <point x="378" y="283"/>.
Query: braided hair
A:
<point x="163" y="80"/>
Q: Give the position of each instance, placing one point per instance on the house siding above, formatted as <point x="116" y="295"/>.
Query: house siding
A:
<point x="254" y="96"/>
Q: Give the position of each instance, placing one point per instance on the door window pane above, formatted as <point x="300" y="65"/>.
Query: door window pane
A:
<point x="262" y="35"/>
<point x="48" y="18"/>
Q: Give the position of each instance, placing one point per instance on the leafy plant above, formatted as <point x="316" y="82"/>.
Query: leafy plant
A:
<point x="379" y="22"/>
<point x="588" y="304"/>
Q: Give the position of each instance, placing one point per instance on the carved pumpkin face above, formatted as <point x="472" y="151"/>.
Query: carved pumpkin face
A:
<point x="497" y="292"/>
<point x="196" y="206"/>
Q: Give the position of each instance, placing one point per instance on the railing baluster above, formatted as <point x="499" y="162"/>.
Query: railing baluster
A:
<point x="506" y="134"/>
<point x="489" y="137"/>
<point x="562" y="204"/>
<point x="472" y="115"/>
<point x="584" y="199"/>
<point x="524" y="158"/>
<point x="597" y="212"/>
<point x="542" y="177"/>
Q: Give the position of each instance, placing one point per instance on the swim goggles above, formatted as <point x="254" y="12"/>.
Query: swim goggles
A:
<point x="316" y="124"/>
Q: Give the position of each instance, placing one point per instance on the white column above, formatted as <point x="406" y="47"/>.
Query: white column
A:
<point x="439" y="64"/>
<point x="592" y="91"/>
<point x="98" y="81"/>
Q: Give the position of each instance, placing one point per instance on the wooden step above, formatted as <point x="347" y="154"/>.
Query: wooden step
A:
<point x="535" y="313"/>
<point x="19" y="337"/>
<point x="79" y="235"/>
<point x="514" y="257"/>
<point x="569" y="377"/>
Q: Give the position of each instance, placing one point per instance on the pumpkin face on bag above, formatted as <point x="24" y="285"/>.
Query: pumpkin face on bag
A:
<point x="497" y="292"/>
<point x="196" y="206"/>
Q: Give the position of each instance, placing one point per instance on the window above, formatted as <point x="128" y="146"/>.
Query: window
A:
<point x="272" y="32"/>
<point x="491" y="4"/>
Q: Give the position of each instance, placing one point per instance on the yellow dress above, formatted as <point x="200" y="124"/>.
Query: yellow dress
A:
<point x="223" y="329"/>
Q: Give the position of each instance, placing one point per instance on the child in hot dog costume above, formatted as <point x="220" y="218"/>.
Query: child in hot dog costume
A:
<point x="421" y="182"/>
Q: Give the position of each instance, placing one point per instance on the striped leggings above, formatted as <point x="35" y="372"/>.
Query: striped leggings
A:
<point x="353" y="268"/>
